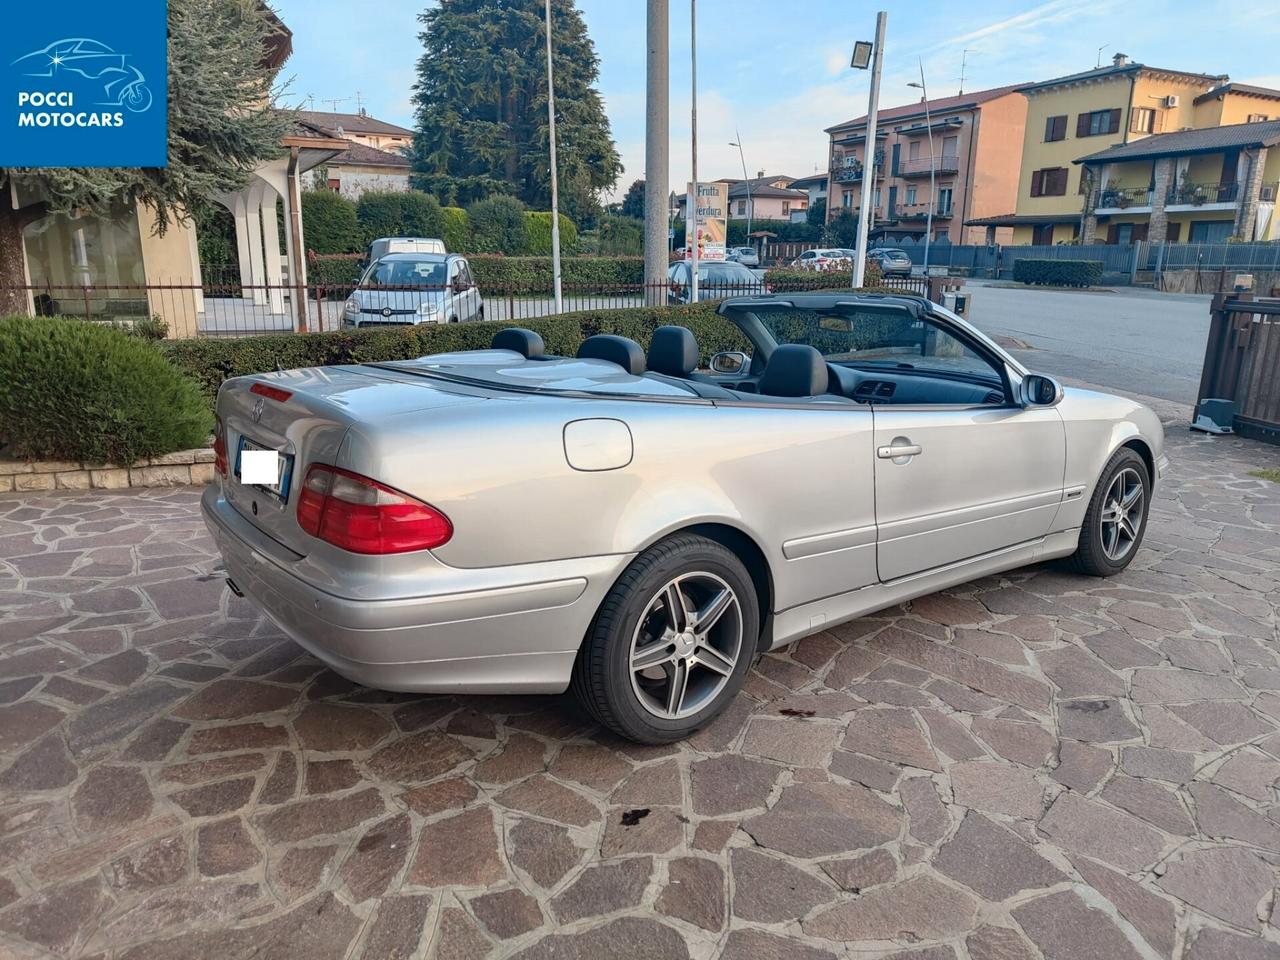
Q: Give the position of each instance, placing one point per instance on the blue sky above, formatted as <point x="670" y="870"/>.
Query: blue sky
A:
<point x="778" y="73"/>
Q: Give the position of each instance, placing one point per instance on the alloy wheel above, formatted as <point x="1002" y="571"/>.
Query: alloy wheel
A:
<point x="1122" y="512"/>
<point x="686" y="646"/>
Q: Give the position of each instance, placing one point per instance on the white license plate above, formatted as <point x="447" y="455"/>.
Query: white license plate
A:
<point x="273" y="481"/>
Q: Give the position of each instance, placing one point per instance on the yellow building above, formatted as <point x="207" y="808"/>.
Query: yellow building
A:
<point x="1073" y="116"/>
<point x="1200" y="186"/>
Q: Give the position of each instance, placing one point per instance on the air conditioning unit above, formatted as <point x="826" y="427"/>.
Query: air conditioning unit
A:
<point x="1171" y="101"/>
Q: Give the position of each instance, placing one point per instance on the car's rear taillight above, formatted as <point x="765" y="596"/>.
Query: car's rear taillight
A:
<point x="364" y="516"/>
<point x="272" y="393"/>
<point x="219" y="447"/>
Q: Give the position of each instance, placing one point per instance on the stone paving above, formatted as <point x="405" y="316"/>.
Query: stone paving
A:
<point x="1037" y="765"/>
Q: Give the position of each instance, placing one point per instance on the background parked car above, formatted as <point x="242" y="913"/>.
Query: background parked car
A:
<point x="892" y="261"/>
<point x="716" y="280"/>
<point x="414" y="288"/>
<point x="746" y="256"/>
<point x="384" y="245"/>
<point x="822" y="259"/>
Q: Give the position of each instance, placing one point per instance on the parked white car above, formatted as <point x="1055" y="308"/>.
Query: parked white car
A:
<point x="822" y="259"/>
<point x="414" y="288"/>
<point x="746" y="256"/>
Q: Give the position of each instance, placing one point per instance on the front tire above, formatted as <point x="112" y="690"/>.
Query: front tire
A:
<point x="1116" y="520"/>
<point x="670" y="647"/>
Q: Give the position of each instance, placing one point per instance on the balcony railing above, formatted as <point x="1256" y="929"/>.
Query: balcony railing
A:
<point x="920" y="166"/>
<point x="1120" y="198"/>
<point x="849" y="169"/>
<point x="1197" y="194"/>
<point x="919" y="211"/>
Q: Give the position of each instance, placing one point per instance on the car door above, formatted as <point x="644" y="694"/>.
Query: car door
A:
<point x="471" y="300"/>
<point x="955" y="481"/>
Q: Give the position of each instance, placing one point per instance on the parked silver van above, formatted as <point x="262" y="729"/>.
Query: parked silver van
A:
<point x="384" y="245"/>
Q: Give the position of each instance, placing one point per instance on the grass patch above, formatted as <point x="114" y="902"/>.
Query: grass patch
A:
<point x="1272" y="475"/>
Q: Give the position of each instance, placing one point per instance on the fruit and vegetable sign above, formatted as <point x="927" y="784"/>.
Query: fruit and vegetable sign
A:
<point x="713" y="212"/>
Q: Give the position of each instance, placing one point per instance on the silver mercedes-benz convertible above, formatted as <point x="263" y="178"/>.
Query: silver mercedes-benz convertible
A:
<point x="504" y="521"/>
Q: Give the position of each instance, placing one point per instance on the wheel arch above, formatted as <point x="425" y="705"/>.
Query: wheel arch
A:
<point x="1140" y="446"/>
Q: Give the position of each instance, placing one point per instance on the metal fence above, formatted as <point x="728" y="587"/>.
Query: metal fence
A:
<point x="1241" y="361"/>
<point x="233" y="309"/>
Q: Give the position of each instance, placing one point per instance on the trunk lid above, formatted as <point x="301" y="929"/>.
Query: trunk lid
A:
<point x="309" y="426"/>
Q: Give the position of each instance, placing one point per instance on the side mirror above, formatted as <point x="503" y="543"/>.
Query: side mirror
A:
<point x="729" y="362"/>
<point x="1041" y="390"/>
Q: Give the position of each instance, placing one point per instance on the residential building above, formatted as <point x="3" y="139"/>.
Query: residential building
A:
<point x="766" y="198"/>
<point x="976" y="146"/>
<point x="815" y="186"/>
<point x="121" y="267"/>
<point x="1202" y="186"/>
<point x="361" y="168"/>
<point x="361" y="128"/>
<point x="1077" y="115"/>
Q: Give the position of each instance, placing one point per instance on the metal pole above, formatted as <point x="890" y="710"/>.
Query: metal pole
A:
<point x="555" y="192"/>
<point x="691" y="226"/>
<point x="657" y="203"/>
<point x="745" y="179"/>
<point x="869" y="155"/>
<point x="928" y="216"/>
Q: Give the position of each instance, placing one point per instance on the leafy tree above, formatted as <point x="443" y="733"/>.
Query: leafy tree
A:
<point x="498" y="226"/>
<point x="221" y="125"/>
<point x="818" y="212"/>
<point x="633" y="202"/>
<point x="481" y="106"/>
<point x="538" y="233"/>
<point x="842" y="231"/>
<point x="329" y="222"/>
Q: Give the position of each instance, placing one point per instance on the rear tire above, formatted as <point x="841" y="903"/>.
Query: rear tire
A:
<point x="1116" y="520"/>
<point x="645" y="679"/>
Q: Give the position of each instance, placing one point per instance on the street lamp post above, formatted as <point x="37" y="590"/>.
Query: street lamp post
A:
<point x="928" y="123"/>
<point x="745" y="179"/>
<point x="555" y="193"/>
<point x="869" y="167"/>
<point x="691" y="220"/>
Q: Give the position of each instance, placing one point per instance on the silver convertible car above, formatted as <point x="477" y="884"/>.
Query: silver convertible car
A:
<point x="503" y="521"/>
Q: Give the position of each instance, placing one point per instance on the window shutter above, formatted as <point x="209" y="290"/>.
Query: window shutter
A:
<point x="1114" y="125"/>
<point x="1113" y="235"/>
<point x="1157" y="121"/>
<point x="1139" y="232"/>
<point x="1050" y="125"/>
<point x="1082" y="125"/>
<point x="1037" y="179"/>
<point x="1174" y="231"/>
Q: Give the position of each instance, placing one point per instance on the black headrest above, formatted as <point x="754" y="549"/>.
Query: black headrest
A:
<point x="673" y="351"/>
<point x="794" y="370"/>
<point x="624" y="352"/>
<point x="522" y="341"/>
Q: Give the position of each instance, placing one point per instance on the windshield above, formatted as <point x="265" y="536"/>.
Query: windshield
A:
<point x="406" y="273"/>
<point x="875" y="337"/>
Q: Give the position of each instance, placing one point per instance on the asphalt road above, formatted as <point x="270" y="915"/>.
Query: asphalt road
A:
<point x="1134" y="340"/>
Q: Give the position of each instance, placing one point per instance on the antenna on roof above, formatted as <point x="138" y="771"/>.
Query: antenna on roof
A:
<point x="1098" y="65"/>
<point x="359" y="103"/>
<point x="310" y="101"/>
<point x="334" y="101"/>
<point x="964" y="57"/>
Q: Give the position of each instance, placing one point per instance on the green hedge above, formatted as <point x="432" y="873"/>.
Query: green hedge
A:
<point x="71" y="390"/>
<point x="785" y="278"/>
<point x="534" y="275"/>
<point x="329" y="223"/>
<point x="398" y="213"/>
<point x="211" y="361"/>
<point x="456" y="232"/>
<point x="538" y="231"/>
<point x="1058" y="273"/>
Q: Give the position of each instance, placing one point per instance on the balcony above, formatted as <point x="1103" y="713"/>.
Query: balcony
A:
<point x="920" y="166"/>
<point x="1212" y="195"/>
<point x="850" y="169"/>
<point x="919" y="211"/>
<point x="1115" y="199"/>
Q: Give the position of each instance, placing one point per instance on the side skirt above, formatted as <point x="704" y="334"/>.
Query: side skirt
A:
<point x="808" y="618"/>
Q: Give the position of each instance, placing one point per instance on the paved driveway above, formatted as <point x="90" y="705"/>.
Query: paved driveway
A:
<point x="1035" y="765"/>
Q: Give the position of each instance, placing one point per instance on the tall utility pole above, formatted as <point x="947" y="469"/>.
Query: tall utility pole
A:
<point x="928" y="126"/>
<point x="691" y="221"/>
<point x="555" y="192"/>
<point x="869" y="152"/>
<point x="657" y="224"/>
<point x="745" y="179"/>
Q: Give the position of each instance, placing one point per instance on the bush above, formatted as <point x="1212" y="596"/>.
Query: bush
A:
<point x="335" y="269"/>
<point x="789" y="279"/>
<point x="71" y="390"/>
<point x="1058" y="273"/>
<point x="533" y="274"/>
<point x="399" y="213"/>
<point x="538" y="231"/>
<point x="498" y="226"/>
<point x="456" y="230"/>
<point x="329" y="222"/>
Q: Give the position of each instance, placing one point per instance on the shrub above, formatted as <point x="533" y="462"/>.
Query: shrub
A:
<point x="399" y="213"/>
<point x="1058" y="273"/>
<point x="71" y="390"/>
<point x="329" y="222"/>
<point x="538" y="231"/>
<point x="335" y="269"/>
<point x="456" y="230"/>
<point x="534" y="275"/>
<point x="498" y="226"/>
<point x="788" y="279"/>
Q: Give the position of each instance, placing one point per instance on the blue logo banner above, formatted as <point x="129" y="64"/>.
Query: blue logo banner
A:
<point x="84" y="83"/>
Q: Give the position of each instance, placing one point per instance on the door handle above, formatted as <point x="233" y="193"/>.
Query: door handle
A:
<point x="897" y="450"/>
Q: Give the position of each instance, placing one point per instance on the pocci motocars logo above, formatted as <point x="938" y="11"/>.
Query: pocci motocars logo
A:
<point x="93" y="99"/>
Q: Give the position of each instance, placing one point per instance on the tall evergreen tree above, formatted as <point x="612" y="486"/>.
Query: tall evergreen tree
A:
<point x="633" y="202"/>
<point x="481" y="106"/>
<point x="221" y="125"/>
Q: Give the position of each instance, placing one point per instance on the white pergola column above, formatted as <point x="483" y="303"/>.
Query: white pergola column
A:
<point x="238" y="206"/>
<point x="253" y="210"/>
<point x="271" y="248"/>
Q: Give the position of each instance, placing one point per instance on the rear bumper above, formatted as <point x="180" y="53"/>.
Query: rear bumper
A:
<point x="517" y="637"/>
